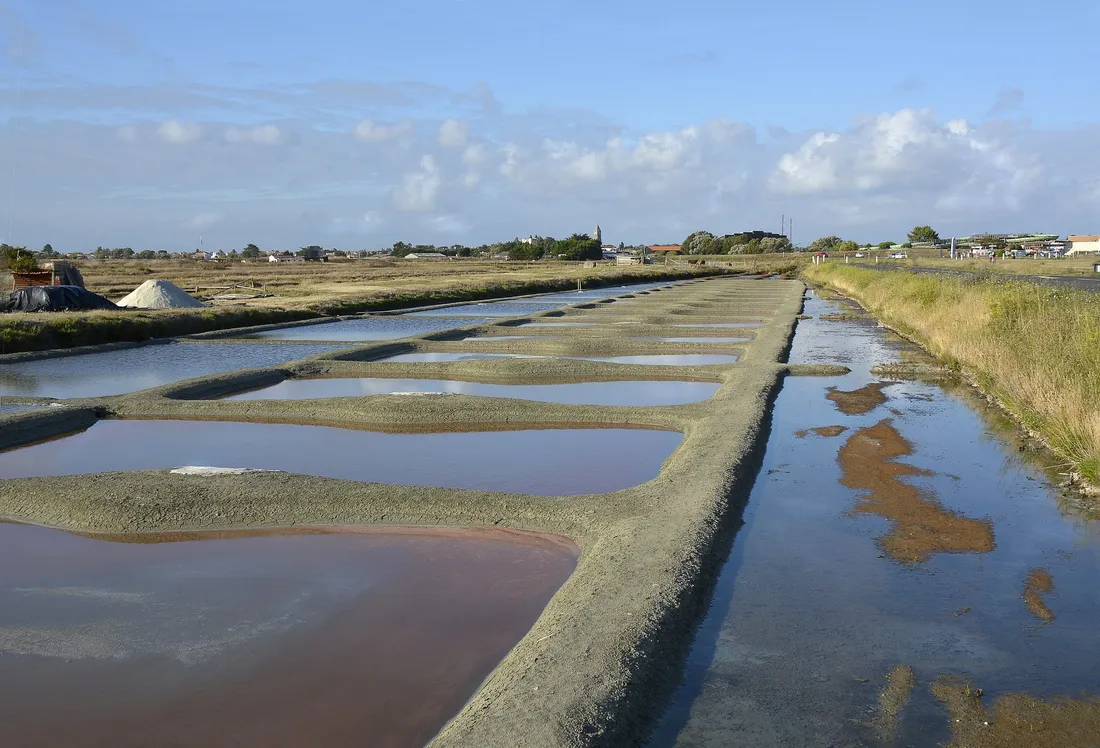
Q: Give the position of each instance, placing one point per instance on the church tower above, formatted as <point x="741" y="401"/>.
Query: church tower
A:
<point x="598" y="235"/>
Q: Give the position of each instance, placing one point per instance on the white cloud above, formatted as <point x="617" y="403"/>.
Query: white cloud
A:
<point x="453" y="133"/>
<point x="179" y="133"/>
<point x="375" y="132"/>
<point x="475" y="155"/>
<point x="263" y="135"/>
<point x="127" y="133"/>
<point x="471" y="179"/>
<point x="418" y="190"/>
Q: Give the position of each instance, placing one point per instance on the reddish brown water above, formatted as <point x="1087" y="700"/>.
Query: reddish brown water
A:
<point x="373" y="637"/>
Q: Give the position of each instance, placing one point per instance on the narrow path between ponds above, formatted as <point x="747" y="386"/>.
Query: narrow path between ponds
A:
<point x="904" y="576"/>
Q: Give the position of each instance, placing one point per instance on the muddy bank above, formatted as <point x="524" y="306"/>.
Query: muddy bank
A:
<point x="858" y="402"/>
<point x="1016" y="720"/>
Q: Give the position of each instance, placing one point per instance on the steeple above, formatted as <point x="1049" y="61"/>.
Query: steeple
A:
<point x="598" y="235"/>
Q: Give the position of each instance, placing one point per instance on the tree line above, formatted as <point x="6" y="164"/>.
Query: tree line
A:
<point x="744" y="243"/>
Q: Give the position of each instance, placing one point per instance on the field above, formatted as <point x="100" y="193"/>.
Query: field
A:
<point x="286" y="292"/>
<point x="1035" y="349"/>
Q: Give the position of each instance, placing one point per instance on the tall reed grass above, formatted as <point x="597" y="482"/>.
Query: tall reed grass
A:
<point x="1035" y="348"/>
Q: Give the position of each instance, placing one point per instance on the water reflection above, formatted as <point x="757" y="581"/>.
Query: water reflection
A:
<point x="581" y="393"/>
<point x="543" y="462"/>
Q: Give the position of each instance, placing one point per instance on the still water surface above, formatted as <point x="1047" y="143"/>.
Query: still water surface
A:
<point x="581" y="393"/>
<point x="259" y="639"/>
<point x="132" y="369"/>
<point x="547" y="462"/>
<point x="909" y="538"/>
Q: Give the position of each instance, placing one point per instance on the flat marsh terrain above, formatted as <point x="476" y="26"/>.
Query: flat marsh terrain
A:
<point x="1035" y="349"/>
<point x="290" y="292"/>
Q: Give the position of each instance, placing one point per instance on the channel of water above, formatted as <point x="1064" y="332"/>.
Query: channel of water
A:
<point x="369" y="636"/>
<point x="901" y="558"/>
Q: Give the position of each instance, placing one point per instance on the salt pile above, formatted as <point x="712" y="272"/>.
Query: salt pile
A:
<point x="158" y="294"/>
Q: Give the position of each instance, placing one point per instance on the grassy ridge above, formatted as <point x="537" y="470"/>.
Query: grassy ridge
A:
<point x="1036" y="349"/>
<point x="47" y="331"/>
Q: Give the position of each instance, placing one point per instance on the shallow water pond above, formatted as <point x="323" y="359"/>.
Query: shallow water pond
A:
<point x="133" y="369"/>
<point x="902" y="537"/>
<point x="684" y="359"/>
<point x="698" y="340"/>
<point x="437" y="357"/>
<point x="724" y="324"/>
<point x="582" y="393"/>
<point x="274" y="639"/>
<point x="489" y="309"/>
<point x="365" y="329"/>
<point x="547" y="462"/>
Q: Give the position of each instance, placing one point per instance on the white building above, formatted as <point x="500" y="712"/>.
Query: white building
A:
<point x="1085" y="244"/>
<point x="285" y="258"/>
<point x="426" y="256"/>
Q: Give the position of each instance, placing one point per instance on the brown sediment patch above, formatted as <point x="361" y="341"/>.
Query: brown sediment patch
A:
<point x="921" y="526"/>
<point x="826" y="431"/>
<point x="900" y="682"/>
<point x="1017" y="720"/>
<point x="1038" y="583"/>
<point x="858" y="402"/>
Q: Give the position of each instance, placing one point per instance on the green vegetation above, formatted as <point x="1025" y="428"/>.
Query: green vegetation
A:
<point x="17" y="259"/>
<point x="1034" y="348"/>
<point x="923" y="234"/>
<point x="745" y="243"/>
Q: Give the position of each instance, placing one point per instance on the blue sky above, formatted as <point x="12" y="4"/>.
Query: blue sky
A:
<point x="358" y="124"/>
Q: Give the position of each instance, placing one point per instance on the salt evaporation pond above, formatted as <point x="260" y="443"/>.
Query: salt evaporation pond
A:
<point x="686" y="359"/>
<point x="488" y="309"/>
<point x="16" y="408"/>
<point x="437" y="357"/>
<point x="251" y="638"/>
<point x="581" y="393"/>
<point x="545" y="462"/>
<point x="366" y="328"/>
<point x="132" y="369"/>
<point x="724" y="324"/>
<point x="698" y="340"/>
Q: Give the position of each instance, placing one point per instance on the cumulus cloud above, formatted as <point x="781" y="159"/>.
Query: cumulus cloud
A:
<point x="418" y="190"/>
<point x="453" y="133"/>
<point x="263" y="135"/>
<point x="179" y="133"/>
<point x="375" y="132"/>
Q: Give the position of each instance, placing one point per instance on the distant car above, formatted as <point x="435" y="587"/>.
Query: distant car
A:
<point x="898" y="256"/>
<point x="859" y="254"/>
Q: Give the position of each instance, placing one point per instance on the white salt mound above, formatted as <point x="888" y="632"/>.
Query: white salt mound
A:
<point x="158" y="294"/>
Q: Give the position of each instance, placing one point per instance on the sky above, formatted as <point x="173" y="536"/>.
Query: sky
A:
<point x="354" y="125"/>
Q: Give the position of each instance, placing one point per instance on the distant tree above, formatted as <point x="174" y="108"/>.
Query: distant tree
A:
<point x="146" y="254"/>
<point x="702" y="243"/>
<point x="400" y="249"/>
<point x="16" y="259"/>
<point x="312" y="252"/>
<point x="48" y="252"/>
<point x="463" y="252"/>
<point x="923" y="234"/>
<point x="521" y="250"/>
<point x="825" y="244"/>
<point x="846" y="247"/>
<point x="578" y="247"/>
<point x="251" y="252"/>
<point x="907" y="245"/>
<point x="886" y="245"/>
<point x="774" y="244"/>
<point x="162" y="254"/>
